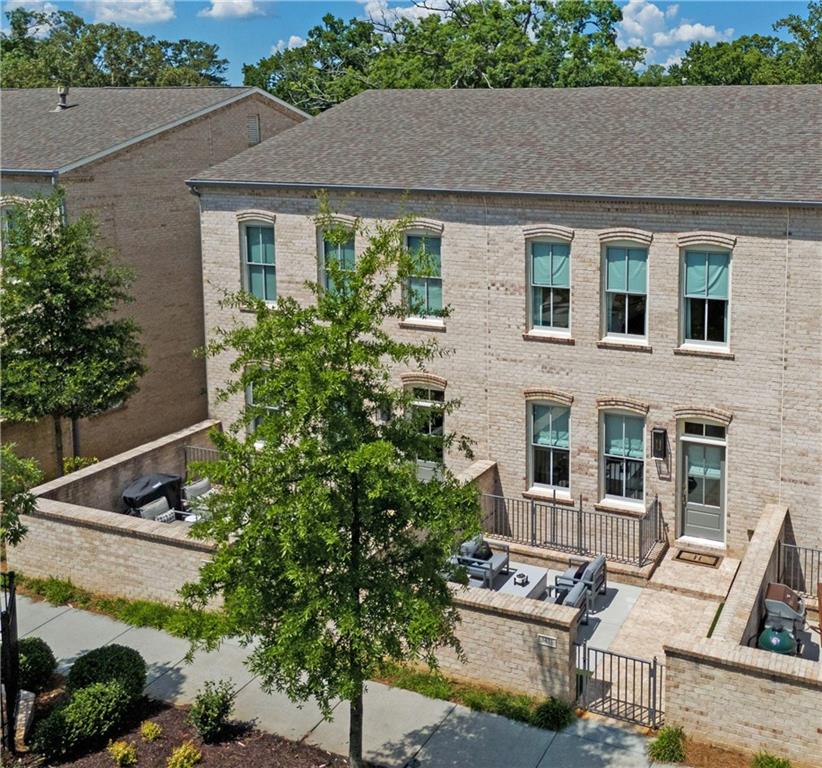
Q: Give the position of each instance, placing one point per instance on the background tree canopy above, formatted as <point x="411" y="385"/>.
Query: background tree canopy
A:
<point x="481" y="44"/>
<point x="46" y="49"/>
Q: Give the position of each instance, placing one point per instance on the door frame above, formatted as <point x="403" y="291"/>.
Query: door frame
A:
<point x="681" y="477"/>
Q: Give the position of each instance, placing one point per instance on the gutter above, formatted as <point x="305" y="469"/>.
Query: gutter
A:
<point x="194" y="184"/>
<point x="29" y="172"/>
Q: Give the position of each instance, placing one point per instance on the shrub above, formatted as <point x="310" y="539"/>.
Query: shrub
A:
<point x="73" y="463"/>
<point x="767" y="760"/>
<point x="150" y="731"/>
<point x="111" y="662"/>
<point x="553" y="714"/>
<point x="212" y="706"/>
<point x="122" y="753"/>
<point x="90" y="714"/>
<point x="669" y="745"/>
<point x="185" y="756"/>
<point x="37" y="664"/>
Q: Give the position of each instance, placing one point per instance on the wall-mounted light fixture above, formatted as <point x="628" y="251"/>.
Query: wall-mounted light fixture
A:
<point x="659" y="442"/>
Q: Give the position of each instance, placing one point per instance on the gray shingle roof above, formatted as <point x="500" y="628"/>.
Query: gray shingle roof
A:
<point x="733" y="143"/>
<point x="35" y="137"/>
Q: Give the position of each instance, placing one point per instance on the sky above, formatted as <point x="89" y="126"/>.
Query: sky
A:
<point x="248" y="30"/>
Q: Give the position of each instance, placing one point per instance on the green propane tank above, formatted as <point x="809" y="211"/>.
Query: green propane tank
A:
<point x="778" y="640"/>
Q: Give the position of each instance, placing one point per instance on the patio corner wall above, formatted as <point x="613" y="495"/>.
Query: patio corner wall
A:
<point x="514" y="643"/>
<point x="725" y="692"/>
<point x="106" y="552"/>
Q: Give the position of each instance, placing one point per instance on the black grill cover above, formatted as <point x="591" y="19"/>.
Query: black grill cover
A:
<point x="151" y="487"/>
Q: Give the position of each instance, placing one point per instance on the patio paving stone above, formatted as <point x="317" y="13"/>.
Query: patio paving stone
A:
<point x="32" y="614"/>
<point x="275" y="712"/>
<point x="569" y="751"/>
<point x="162" y="653"/>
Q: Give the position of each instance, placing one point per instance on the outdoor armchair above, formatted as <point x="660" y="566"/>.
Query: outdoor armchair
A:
<point x="593" y="574"/>
<point x="485" y="570"/>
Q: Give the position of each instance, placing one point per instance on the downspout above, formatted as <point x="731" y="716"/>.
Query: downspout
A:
<point x="784" y="357"/>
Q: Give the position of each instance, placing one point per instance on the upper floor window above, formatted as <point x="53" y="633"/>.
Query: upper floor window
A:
<point x="623" y="456"/>
<point x="341" y="254"/>
<point x="550" y="277"/>
<point x="626" y="289"/>
<point x="425" y="285"/>
<point x="706" y="296"/>
<point x="260" y="273"/>
<point x="550" y="444"/>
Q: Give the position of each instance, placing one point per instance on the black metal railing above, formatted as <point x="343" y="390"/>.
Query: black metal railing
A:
<point x="800" y="568"/>
<point x="620" y="686"/>
<point x="9" y="656"/>
<point x="571" y="528"/>
<point x="196" y="453"/>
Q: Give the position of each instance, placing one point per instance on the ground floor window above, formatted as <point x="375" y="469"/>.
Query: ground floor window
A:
<point x="550" y="443"/>
<point x="428" y="403"/>
<point x="623" y="456"/>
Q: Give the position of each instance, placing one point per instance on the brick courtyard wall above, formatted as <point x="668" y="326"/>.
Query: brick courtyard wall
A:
<point x="100" y="486"/>
<point x="746" y="699"/>
<point x="768" y="386"/>
<point x="503" y="638"/>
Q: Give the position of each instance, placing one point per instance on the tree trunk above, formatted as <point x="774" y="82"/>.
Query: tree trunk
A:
<point x="355" y="731"/>
<point x="75" y="437"/>
<point x="58" y="444"/>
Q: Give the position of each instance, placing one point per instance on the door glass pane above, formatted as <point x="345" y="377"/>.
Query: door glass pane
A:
<point x="613" y="476"/>
<point x="712" y="430"/>
<point x="560" y="271"/>
<point x="696" y="489"/>
<point x="636" y="315"/>
<point x="562" y="307"/>
<point x="712" y="461"/>
<point x="637" y="266"/>
<point x="542" y="466"/>
<point x="695" y="319"/>
<point x="634" y="472"/>
<point x="561" y="473"/>
<point x="615" y="269"/>
<point x="713" y="492"/>
<point x="715" y="330"/>
<point x="694" y="428"/>
<point x="616" y="312"/>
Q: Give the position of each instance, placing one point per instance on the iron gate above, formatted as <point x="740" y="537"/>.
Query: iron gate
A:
<point x="620" y="686"/>
<point x="9" y="656"/>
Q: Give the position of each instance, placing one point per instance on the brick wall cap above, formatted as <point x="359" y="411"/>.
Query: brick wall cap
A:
<point x="553" y="395"/>
<point x="626" y="233"/>
<point x="548" y="230"/>
<point x="515" y="607"/>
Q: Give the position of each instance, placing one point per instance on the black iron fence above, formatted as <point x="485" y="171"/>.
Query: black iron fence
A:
<point x="621" y="686"/>
<point x="552" y="525"/>
<point x="800" y="568"/>
<point x="9" y="656"/>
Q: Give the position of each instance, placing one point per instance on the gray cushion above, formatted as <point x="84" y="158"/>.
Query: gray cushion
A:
<point x="193" y="490"/>
<point x="468" y="548"/>
<point x="575" y="596"/>
<point x="153" y="508"/>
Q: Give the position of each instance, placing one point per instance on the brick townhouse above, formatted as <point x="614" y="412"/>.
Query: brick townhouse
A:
<point x="634" y="278"/>
<point x="123" y="154"/>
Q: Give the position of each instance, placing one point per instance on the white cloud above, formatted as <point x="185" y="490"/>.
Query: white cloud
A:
<point x="39" y="30"/>
<point x="379" y="11"/>
<point x="233" y="9"/>
<point x="645" y="25"/>
<point x="130" y="11"/>
<point x="295" y="41"/>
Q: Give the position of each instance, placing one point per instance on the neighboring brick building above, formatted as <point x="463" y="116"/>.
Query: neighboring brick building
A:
<point x="123" y="154"/>
<point x="617" y="262"/>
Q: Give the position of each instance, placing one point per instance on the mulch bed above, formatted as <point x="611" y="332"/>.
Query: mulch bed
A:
<point x="699" y="755"/>
<point x="246" y="747"/>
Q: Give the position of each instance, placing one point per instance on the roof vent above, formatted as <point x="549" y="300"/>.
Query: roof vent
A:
<point x="253" y="130"/>
<point x="62" y="98"/>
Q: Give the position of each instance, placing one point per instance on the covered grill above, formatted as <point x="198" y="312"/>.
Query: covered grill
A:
<point x="150" y="488"/>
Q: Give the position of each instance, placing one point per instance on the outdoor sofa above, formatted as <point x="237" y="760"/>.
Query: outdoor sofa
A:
<point x="473" y="555"/>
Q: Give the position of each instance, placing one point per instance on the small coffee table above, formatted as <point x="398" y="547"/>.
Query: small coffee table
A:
<point x="535" y="588"/>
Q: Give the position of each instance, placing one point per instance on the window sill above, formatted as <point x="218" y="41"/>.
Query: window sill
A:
<point x="625" y="345"/>
<point x="549" y="337"/>
<point x="544" y="495"/>
<point x="423" y="324"/>
<point x="717" y="354"/>
<point x="621" y="507"/>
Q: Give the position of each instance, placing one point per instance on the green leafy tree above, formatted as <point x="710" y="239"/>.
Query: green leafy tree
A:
<point x="65" y="354"/>
<point x="330" y="549"/>
<point x="16" y="477"/>
<point x="490" y="44"/>
<point x="47" y="48"/>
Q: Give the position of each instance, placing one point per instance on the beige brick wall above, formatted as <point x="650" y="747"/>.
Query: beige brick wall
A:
<point x="771" y="386"/>
<point x="745" y="698"/>
<point x="500" y="637"/>
<point x="150" y="218"/>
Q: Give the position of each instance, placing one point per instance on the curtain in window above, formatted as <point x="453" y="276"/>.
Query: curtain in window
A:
<point x="551" y="426"/>
<point x="626" y="269"/>
<point x="550" y="264"/>
<point x="624" y="436"/>
<point x="706" y="274"/>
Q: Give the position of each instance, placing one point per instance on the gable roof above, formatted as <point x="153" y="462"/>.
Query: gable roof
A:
<point x="736" y="143"/>
<point x="99" y="121"/>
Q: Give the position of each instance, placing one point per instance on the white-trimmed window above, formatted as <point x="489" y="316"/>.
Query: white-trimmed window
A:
<point x="705" y="297"/>
<point x="424" y="287"/>
<point x="623" y="456"/>
<point x="549" y="270"/>
<point x="625" y="280"/>
<point x="342" y="254"/>
<point x="7" y="211"/>
<point x="549" y="446"/>
<point x="251" y="404"/>
<point x="259" y="262"/>
<point x="429" y="402"/>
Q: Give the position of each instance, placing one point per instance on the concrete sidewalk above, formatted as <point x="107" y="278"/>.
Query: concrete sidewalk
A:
<point x="401" y="728"/>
